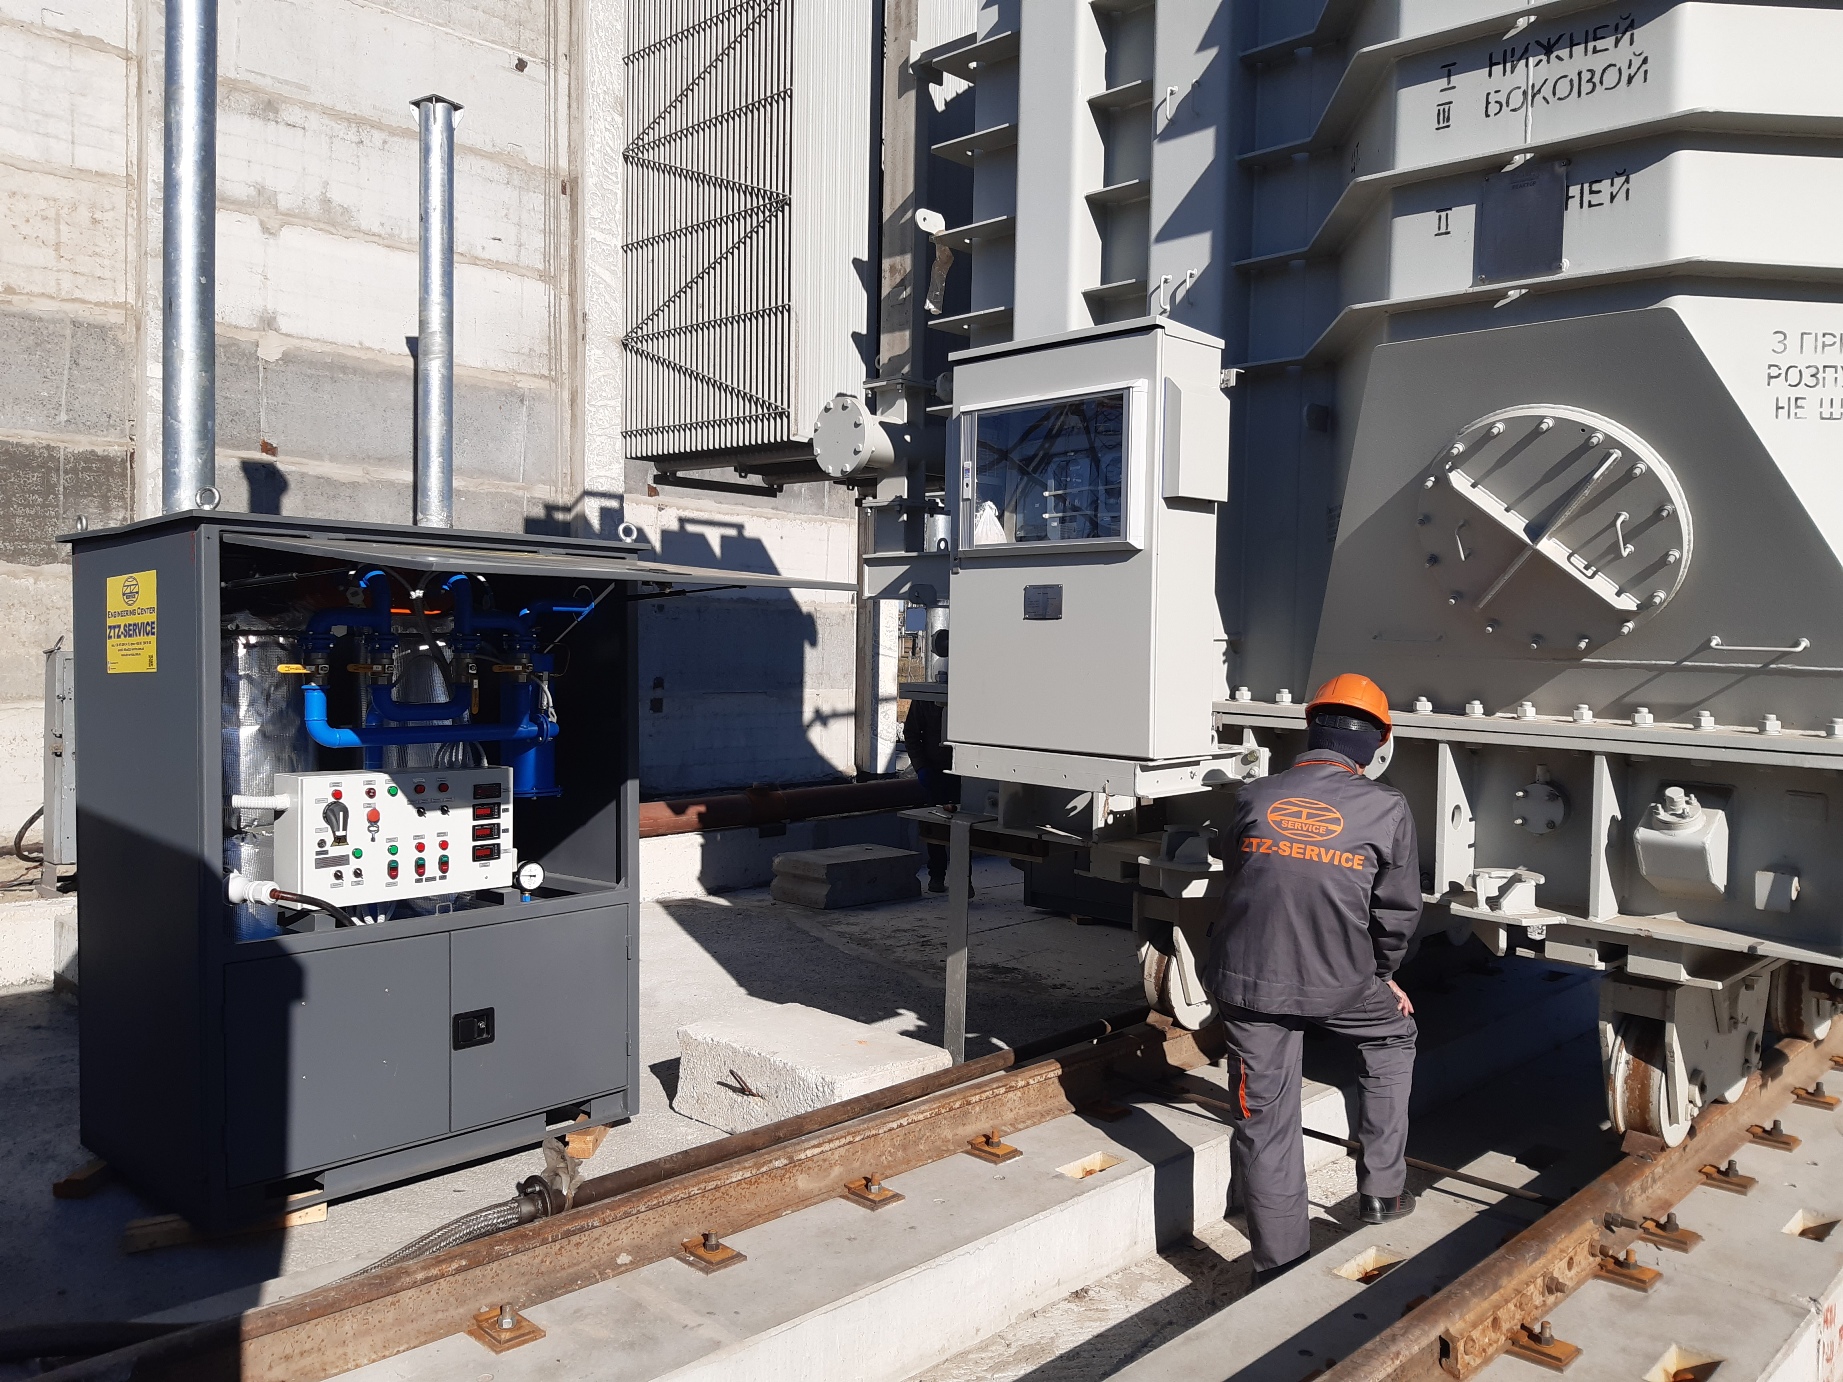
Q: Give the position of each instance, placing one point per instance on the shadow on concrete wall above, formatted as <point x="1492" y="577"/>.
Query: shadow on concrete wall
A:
<point x="266" y="483"/>
<point x="729" y="680"/>
<point x="733" y="684"/>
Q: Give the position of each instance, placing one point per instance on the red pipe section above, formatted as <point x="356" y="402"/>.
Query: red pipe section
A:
<point x="773" y="805"/>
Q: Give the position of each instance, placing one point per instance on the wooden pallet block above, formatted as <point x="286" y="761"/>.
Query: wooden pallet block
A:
<point x="173" y="1230"/>
<point x="83" y="1182"/>
<point x="580" y="1146"/>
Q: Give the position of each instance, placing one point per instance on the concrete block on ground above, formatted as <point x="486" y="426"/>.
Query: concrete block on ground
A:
<point x="845" y="876"/>
<point x="708" y="862"/>
<point x="766" y="1061"/>
<point x="38" y="942"/>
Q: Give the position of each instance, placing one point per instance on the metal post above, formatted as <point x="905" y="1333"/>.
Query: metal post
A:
<point x="188" y="344"/>
<point x="959" y="890"/>
<point x="866" y="713"/>
<point x="434" y="483"/>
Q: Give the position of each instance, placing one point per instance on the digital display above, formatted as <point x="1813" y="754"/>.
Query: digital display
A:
<point x="487" y="791"/>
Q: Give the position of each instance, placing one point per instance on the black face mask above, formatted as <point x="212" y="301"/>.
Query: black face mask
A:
<point x="1359" y="745"/>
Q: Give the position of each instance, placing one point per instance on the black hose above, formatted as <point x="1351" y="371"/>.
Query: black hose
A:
<point x="19" y="840"/>
<point x="20" y="1343"/>
<point x="435" y="649"/>
<point x="340" y="915"/>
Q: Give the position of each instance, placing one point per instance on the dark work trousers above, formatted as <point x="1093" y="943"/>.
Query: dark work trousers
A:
<point x="1269" y="1151"/>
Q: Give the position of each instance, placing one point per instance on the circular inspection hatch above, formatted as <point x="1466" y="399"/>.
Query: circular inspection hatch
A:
<point x="1553" y="527"/>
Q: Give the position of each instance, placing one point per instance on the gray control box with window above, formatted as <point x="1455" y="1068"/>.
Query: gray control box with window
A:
<point x="1088" y="471"/>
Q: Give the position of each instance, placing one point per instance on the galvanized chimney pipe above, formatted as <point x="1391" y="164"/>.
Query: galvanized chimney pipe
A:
<point x="434" y="487"/>
<point x="188" y="345"/>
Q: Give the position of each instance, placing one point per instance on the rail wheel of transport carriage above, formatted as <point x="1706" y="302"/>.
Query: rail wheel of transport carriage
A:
<point x="1173" y="985"/>
<point x="1803" y="1002"/>
<point x="1637" y="1086"/>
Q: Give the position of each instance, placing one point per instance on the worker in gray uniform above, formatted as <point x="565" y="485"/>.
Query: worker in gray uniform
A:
<point x="1323" y="896"/>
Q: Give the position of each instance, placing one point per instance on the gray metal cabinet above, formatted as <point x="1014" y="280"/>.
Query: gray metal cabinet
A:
<point x="555" y="987"/>
<point x="335" y="1054"/>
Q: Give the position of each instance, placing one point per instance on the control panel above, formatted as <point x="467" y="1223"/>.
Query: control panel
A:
<point x="369" y="836"/>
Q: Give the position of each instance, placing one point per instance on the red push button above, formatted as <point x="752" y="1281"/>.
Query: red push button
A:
<point x="420" y="846"/>
<point x="372" y="815"/>
<point x="420" y="789"/>
<point x="441" y="786"/>
<point x="337" y="794"/>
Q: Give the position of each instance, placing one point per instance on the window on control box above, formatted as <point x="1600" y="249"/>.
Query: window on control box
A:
<point x="1049" y="472"/>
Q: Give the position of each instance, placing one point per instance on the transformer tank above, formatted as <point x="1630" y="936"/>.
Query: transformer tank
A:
<point x="1526" y="336"/>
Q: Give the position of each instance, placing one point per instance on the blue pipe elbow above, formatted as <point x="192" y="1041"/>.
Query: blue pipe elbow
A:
<point x="313" y="713"/>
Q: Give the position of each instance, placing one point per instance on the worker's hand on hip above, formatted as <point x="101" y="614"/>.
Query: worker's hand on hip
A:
<point x="1402" y="1000"/>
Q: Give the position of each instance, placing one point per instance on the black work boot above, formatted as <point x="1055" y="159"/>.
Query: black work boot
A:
<point x="936" y="883"/>
<point x="1385" y="1209"/>
<point x="1263" y="1275"/>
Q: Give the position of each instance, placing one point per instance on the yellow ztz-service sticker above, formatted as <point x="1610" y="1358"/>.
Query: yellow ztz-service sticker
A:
<point x="131" y="622"/>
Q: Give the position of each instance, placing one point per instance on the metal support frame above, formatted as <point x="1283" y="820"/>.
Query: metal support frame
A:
<point x="1602" y="894"/>
<point x="189" y="212"/>
<point x="434" y="482"/>
<point x="1455" y="826"/>
<point x="959" y="896"/>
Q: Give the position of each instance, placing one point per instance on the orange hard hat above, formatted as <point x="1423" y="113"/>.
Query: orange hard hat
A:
<point x="1354" y="691"/>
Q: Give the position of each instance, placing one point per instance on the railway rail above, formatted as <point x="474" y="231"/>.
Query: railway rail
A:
<point x="686" y="1203"/>
<point x="1502" y="1305"/>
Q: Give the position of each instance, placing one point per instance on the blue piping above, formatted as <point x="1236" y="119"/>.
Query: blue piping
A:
<point x="313" y="708"/>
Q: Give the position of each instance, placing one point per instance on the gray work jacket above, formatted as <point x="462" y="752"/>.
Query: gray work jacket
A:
<point x="1323" y="889"/>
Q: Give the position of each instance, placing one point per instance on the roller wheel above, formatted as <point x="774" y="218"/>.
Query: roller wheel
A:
<point x="1637" y="1095"/>
<point x="1801" y="1003"/>
<point x="1172" y="983"/>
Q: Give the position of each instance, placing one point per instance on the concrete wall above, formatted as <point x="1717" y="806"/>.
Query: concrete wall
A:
<point x="317" y="249"/>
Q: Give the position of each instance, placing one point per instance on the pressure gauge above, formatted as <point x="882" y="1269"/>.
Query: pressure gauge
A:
<point x="530" y="875"/>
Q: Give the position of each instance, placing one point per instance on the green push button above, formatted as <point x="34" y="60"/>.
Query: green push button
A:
<point x="393" y="849"/>
<point x="358" y="853"/>
<point x="391" y="791"/>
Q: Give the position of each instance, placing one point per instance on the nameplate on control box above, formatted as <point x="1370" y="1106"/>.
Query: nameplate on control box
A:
<point x="1043" y="602"/>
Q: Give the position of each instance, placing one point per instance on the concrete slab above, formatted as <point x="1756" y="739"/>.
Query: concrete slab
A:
<point x="1761" y="1300"/>
<point x="761" y="1062"/>
<point x="38" y="940"/>
<point x="837" y="1292"/>
<point x="845" y="876"/>
<point x="1536" y="1126"/>
<point x="708" y="863"/>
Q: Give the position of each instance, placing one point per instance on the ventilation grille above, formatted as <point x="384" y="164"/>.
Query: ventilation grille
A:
<point x="710" y="352"/>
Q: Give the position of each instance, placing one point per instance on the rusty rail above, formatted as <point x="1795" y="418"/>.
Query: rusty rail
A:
<point x="773" y="805"/>
<point x="1474" y="1319"/>
<point x="642" y="1214"/>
